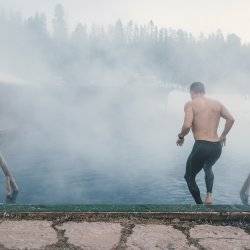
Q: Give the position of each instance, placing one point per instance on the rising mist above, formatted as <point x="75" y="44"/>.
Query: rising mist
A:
<point x="91" y="116"/>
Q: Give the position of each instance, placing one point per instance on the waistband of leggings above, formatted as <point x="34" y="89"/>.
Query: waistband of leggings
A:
<point x="208" y="142"/>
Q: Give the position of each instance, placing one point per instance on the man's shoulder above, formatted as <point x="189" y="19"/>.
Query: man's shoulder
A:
<point x="188" y="104"/>
<point x="214" y="105"/>
<point x="206" y="102"/>
<point x="214" y="101"/>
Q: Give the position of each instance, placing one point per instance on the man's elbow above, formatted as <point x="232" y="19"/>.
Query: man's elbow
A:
<point x="187" y="127"/>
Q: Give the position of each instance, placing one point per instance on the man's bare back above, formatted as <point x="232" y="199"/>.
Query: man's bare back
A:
<point x="204" y="114"/>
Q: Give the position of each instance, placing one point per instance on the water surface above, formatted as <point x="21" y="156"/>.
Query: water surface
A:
<point x="116" y="147"/>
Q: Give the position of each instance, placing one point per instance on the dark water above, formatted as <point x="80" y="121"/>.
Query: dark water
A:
<point x="61" y="178"/>
<point x="117" y="150"/>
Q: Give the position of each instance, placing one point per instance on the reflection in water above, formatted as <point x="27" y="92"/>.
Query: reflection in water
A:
<point x="112" y="146"/>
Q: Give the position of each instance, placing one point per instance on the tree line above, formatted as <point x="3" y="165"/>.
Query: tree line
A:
<point x="121" y="53"/>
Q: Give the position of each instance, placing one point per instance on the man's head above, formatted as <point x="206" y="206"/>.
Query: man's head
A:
<point x="197" y="89"/>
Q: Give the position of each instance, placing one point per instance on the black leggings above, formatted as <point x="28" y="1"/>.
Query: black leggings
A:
<point x="204" y="155"/>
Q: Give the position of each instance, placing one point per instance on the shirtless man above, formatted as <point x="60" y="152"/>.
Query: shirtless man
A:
<point x="202" y="115"/>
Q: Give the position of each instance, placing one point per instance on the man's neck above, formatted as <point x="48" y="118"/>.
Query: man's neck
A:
<point x="198" y="96"/>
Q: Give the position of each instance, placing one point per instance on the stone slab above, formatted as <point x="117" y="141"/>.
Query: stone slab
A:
<point x="221" y="237"/>
<point x="34" y="234"/>
<point x="151" y="237"/>
<point x="27" y="234"/>
<point x="94" y="235"/>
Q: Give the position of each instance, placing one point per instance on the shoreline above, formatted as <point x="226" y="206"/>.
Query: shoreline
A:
<point x="108" y="212"/>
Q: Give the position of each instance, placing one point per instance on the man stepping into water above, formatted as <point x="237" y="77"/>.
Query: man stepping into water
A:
<point x="11" y="186"/>
<point x="202" y="115"/>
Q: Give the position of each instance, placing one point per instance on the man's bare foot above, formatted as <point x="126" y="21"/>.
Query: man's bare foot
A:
<point x="209" y="199"/>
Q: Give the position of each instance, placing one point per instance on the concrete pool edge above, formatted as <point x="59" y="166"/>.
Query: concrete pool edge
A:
<point x="138" y="212"/>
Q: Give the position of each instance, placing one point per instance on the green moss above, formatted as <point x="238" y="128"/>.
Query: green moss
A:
<point x="122" y="208"/>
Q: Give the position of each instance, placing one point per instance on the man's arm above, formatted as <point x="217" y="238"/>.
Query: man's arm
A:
<point x="229" y="122"/>
<point x="187" y="124"/>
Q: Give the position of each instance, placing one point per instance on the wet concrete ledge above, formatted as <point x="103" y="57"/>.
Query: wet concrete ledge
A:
<point x="112" y="212"/>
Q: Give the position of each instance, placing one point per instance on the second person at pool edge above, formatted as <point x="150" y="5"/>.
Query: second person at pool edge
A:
<point x="202" y="116"/>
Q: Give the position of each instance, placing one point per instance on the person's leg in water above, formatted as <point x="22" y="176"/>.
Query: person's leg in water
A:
<point x="194" y="165"/>
<point x="209" y="175"/>
<point x="244" y="193"/>
<point x="11" y="186"/>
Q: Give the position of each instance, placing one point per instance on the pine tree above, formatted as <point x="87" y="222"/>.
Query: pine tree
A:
<point x="59" y="24"/>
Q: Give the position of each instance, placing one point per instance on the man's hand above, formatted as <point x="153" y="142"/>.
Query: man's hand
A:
<point x="179" y="142"/>
<point x="223" y="140"/>
<point x="228" y="125"/>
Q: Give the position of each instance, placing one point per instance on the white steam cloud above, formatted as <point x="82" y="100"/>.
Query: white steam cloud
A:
<point x="90" y="116"/>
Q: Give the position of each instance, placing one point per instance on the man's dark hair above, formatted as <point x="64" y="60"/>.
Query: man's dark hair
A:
<point x="197" y="87"/>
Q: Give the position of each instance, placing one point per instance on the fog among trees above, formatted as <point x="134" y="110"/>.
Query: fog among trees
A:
<point x="119" y="54"/>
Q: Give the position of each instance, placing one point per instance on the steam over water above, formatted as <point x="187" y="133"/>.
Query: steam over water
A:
<point x="111" y="145"/>
<point x="70" y="137"/>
